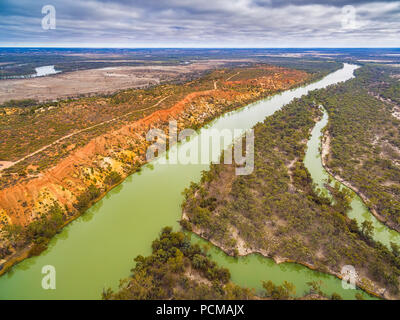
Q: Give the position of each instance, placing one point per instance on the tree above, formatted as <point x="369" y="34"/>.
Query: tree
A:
<point x="359" y="296"/>
<point x="315" y="287"/>
<point x="106" y="294"/>
<point x="285" y="291"/>
<point x="395" y="248"/>
<point x="367" y="229"/>
<point x="112" y="178"/>
<point x="290" y="288"/>
<point x="336" y="296"/>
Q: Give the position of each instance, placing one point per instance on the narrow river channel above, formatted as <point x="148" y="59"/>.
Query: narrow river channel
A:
<point x="320" y="176"/>
<point x="97" y="250"/>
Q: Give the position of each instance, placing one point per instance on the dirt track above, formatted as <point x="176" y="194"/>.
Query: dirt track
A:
<point x="8" y="164"/>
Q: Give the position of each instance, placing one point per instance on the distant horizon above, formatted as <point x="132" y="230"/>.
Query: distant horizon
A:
<point x="255" y="48"/>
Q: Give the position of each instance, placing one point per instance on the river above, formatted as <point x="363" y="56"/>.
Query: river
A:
<point x="97" y="250"/>
<point x="45" y="71"/>
<point x="359" y="210"/>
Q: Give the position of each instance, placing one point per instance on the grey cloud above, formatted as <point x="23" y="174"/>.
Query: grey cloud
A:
<point x="265" y="23"/>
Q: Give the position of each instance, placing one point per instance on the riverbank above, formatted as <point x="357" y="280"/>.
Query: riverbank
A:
<point x="25" y="252"/>
<point x="113" y="152"/>
<point x="363" y="144"/>
<point x="132" y="214"/>
<point x="376" y="291"/>
<point x="242" y="250"/>
<point x="262" y="214"/>
<point x="325" y="149"/>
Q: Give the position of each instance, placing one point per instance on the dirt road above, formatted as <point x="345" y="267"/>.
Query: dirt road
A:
<point x="8" y="164"/>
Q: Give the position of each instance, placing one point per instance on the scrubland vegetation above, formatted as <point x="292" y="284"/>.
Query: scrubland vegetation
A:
<point x="365" y="137"/>
<point x="38" y="233"/>
<point x="179" y="269"/>
<point x="278" y="212"/>
<point x="27" y="128"/>
<point x="86" y="175"/>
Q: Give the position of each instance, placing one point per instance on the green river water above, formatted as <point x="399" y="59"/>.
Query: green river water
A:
<point x="358" y="209"/>
<point x="97" y="250"/>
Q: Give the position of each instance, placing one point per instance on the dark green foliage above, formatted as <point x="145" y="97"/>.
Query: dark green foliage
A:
<point x="39" y="232"/>
<point x="336" y="296"/>
<point x="395" y="249"/>
<point x="176" y="269"/>
<point x="367" y="229"/>
<point x="112" y="178"/>
<point x="359" y="296"/>
<point x="365" y="136"/>
<point x="19" y="103"/>
<point x="283" y="292"/>
<point x="278" y="210"/>
<point x="86" y="198"/>
<point x="47" y="226"/>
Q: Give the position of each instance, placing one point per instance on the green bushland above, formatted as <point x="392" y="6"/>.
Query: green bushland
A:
<point x="278" y="210"/>
<point x="44" y="227"/>
<point x="27" y="129"/>
<point x="365" y="137"/>
<point x="112" y="178"/>
<point x="39" y="232"/>
<point x="86" y="198"/>
<point x="177" y="269"/>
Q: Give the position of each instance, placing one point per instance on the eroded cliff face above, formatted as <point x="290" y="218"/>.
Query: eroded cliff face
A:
<point x="121" y="151"/>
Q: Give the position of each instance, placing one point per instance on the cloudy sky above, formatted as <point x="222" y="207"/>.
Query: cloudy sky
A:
<point x="202" y="23"/>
